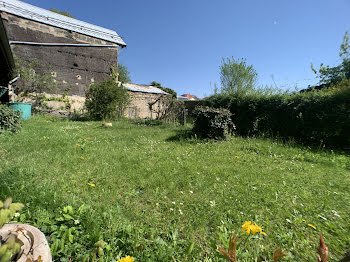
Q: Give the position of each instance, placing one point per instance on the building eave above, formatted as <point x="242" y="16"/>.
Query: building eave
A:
<point x="44" y="16"/>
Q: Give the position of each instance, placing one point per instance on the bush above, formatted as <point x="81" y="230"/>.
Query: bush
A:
<point x="212" y="123"/>
<point x="106" y="100"/>
<point x="10" y="119"/>
<point x="318" y="118"/>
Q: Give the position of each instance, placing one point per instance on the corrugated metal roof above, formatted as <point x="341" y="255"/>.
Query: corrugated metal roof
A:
<point x="47" y="17"/>
<point x="143" y="88"/>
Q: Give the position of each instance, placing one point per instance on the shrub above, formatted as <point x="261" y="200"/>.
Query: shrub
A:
<point x="212" y="123"/>
<point x="9" y="119"/>
<point x="106" y="100"/>
<point x="318" y="118"/>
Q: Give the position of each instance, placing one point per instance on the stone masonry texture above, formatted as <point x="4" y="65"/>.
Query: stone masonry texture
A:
<point x="73" y="68"/>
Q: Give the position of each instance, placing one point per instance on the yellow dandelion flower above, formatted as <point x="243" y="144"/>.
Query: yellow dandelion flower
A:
<point x="82" y="158"/>
<point x="252" y="229"/>
<point x="77" y="145"/>
<point x="236" y="156"/>
<point x="126" y="259"/>
<point x="91" y="184"/>
<point x="311" y="225"/>
<point x="255" y="229"/>
<point x="246" y="227"/>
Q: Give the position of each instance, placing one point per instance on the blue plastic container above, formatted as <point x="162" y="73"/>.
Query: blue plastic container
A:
<point x="24" y="108"/>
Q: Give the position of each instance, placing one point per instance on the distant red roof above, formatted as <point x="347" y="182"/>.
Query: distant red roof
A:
<point x="191" y="97"/>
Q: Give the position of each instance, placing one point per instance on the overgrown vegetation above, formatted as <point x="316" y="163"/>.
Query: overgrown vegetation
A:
<point x="237" y="77"/>
<point x="318" y="118"/>
<point x="106" y="100"/>
<point x="332" y="76"/>
<point x="321" y="119"/>
<point x="10" y="247"/>
<point x="34" y="80"/>
<point x="10" y="119"/>
<point x="123" y="74"/>
<point x="212" y="123"/>
<point x="65" y="13"/>
<point x="143" y="203"/>
<point x="165" y="89"/>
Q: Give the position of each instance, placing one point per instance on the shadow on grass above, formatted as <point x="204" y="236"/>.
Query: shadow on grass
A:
<point x="183" y="136"/>
<point x="189" y="136"/>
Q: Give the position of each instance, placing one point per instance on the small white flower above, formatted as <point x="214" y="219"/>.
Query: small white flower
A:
<point x="180" y="211"/>
<point x="217" y="179"/>
<point x="17" y="214"/>
<point x="335" y="213"/>
<point x="173" y="202"/>
<point x="191" y="191"/>
<point x="212" y="203"/>
<point x="182" y="192"/>
<point x="171" y="209"/>
<point x="76" y="222"/>
<point x="181" y="204"/>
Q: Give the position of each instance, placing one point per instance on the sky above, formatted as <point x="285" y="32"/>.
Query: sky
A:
<point x="182" y="43"/>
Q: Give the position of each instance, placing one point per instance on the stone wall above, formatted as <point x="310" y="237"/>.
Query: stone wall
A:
<point x="140" y="105"/>
<point x="73" y="68"/>
<point x="138" y="108"/>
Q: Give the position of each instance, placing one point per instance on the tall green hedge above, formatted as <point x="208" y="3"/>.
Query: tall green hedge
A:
<point x="319" y="118"/>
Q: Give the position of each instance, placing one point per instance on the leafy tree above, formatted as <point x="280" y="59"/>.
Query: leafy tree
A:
<point x="165" y="89"/>
<point x="106" y="100"/>
<point x="237" y="77"/>
<point x="124" y="75"/>
<point x="330" y="76"/>
<point x="61" y="12"/>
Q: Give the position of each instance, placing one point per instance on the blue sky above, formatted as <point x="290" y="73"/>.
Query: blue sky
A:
<point x="181" y="43"/>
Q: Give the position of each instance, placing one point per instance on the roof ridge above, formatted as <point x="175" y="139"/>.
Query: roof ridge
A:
<point x="39" y="14"/>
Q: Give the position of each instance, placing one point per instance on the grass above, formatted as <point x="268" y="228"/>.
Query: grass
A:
<point x="156" y="194"/>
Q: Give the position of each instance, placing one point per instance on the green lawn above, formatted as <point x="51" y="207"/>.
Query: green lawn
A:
<point x="156" y="194"/>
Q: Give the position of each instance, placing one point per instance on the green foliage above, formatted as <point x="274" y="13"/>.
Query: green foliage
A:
<point x="106" y="100"/>
<point x="140" y="190"/>
<point x="68" y="236"/>
<point x="9" y="247"/>
<point x="65" y="13"/>
<point x="8" y="250"/>
<point x="34" y="77"/>
<point x="237" y="77"/>
<point x="10" y="119"/>
<point x="165" y="89"/>
<point x="310" y="118"/>
<point x="331" y="76"/>
<point x="212" y="123"/>
<point x="123" y="74"/>
<point x="8" y="210"/>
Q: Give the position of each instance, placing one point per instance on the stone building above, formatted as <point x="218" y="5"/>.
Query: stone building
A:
<point x="76" y="53"/>
<point x="146" y="101"/>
